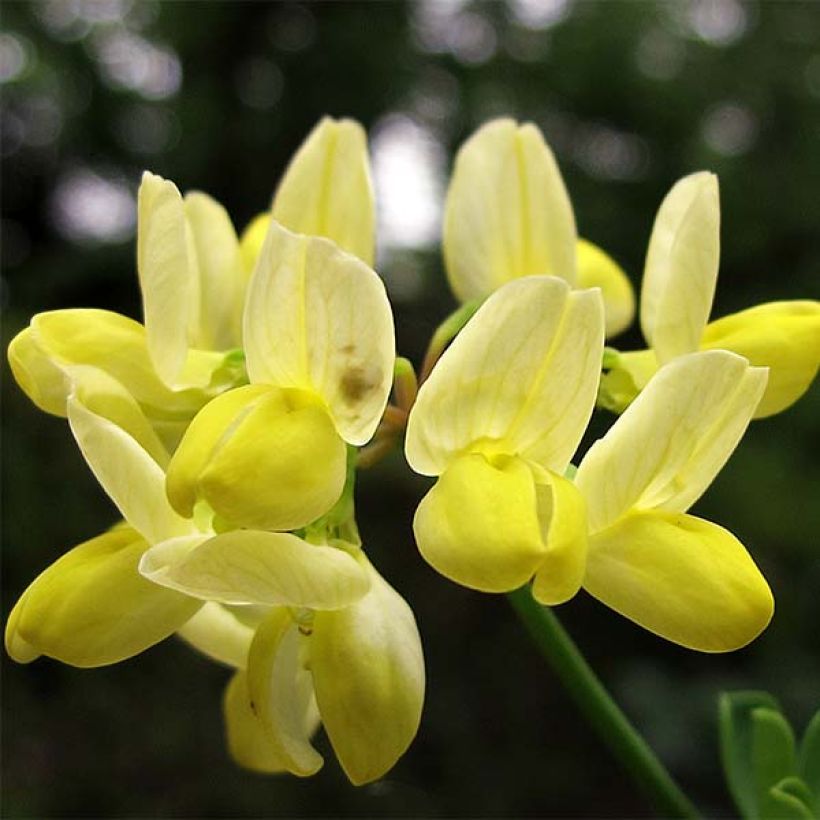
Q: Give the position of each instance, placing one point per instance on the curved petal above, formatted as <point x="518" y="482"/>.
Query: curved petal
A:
<point x="217" y="633"/>
<point x="368" y="670"/>
<point x="166" y="274"/>
<point x="681" y="267"/>
<point x="671" y="442"/>
<point x="132" y="479"/>
<point x="318" y="319"/>
<point x="327" y="190"/>
<point x="49" y="381"/>
<point x="221" y="279"/>
<point x="281" y="692"/>
<point x="104" y="396"/>
<point x="597" y="269"/>
<point x="249" y="743"/>
<point x="478" y="526"/>
<point x="563" y="511"/>
<point x="507" y="213"/>
<point x="262" y="457"/>
<point x="521" y="377"/>
<point x="685" y="579"/>
<point x="783" y="336"/>
<point x="113" y="343"/>
<point x="39" y="376"/>
<point x="92" y="607"/>
<point x="263" y="568"/>
<point x="251" y="241"/>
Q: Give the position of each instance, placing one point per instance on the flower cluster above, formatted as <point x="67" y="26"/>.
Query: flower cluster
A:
<point x="228" y="428"/>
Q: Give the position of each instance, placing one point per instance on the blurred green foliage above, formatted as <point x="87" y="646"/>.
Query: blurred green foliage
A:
<point x="217" y="95"/>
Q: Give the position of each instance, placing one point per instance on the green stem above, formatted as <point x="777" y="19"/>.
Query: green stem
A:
<point x="611" y="724"/>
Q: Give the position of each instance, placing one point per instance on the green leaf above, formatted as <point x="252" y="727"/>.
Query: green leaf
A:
<point x="790" y="798"/>
<point x="774" y="757"/>
<point x="735" y="719"/>
<point x="809" y="763"/>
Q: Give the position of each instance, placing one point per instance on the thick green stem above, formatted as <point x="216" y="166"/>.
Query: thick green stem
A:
<point x="611" y="724"/>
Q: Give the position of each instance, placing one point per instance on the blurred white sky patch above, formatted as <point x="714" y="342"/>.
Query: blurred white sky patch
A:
<point x="729" y="128"/>
<point x="408" y="169"/>
<point x="89" y="207"/>
<point x="131" y="62"/>
<point x="540" y="14"/>
<point x="72" y="20"/>
<point x="718" y="22"/>
<point x="452" y="26"/>
<point x="15" y="54"/>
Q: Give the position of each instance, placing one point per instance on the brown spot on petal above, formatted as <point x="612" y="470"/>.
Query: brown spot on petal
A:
<point x="356" y="383"/>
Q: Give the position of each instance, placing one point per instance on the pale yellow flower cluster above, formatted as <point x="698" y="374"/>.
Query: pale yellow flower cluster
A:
<point x="227" y="428"/>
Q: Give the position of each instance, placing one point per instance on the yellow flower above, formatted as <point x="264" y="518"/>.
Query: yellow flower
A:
<point x="359" y="670"/>
<point x="92" y="607"/>
<point x="508" y="215"/>
<point x="319" y="349"/>
<point x="686" y="579"/>
<point x="676" y="299"/>
<point x="497" y="423"/>
<point x="193" y="273"/>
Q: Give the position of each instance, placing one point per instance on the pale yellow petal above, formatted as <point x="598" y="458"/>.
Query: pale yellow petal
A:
<point x="327" y="190"/>
<point x="104" y="396"/>
<point x="40" y="377"/>
<point x="262" y="457"/>
<point x="251" y="241"/>
<point x="671" y="442"/>
<point x="318" y="319"/>
<point x="221" y="279"/>
<point x="166" y="274"/>
<point x="368" y="670"/>
<point x="521" y="378"/>
<point x="507" y="212"/>
<point x="248" y="741"/>
<point x="281" y="691"/>
<point x="218" y="633"/>
<point x="92" y="607"/>
<point x="681" y="267"/>
<point x="267" y="569"/>
<point x="99" y="338"/>
<point x="132" y="479"/>
<point x="597" y="269"/>
<point x="783" y="336"/>
<point x="479" y="526"/>
<point x="685" y="579"/>
<point x="563" y="514"/>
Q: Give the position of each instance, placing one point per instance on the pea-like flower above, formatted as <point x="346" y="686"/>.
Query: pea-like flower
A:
<point x="508" y="215"/>
<point x="497" y="423"/>
<point x="92" y="607"/>
<point x="319" y="351"/>
<point x="686" y="579"/>
<point x="676" y="299"/>
<point x="357" y="670"/>
<point x="193" y="274"/>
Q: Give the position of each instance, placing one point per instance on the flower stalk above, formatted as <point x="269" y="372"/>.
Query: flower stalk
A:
<point x="604" y="715"/>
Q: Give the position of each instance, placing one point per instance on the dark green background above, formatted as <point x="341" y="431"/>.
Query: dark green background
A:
<point x="498" y="737"/>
